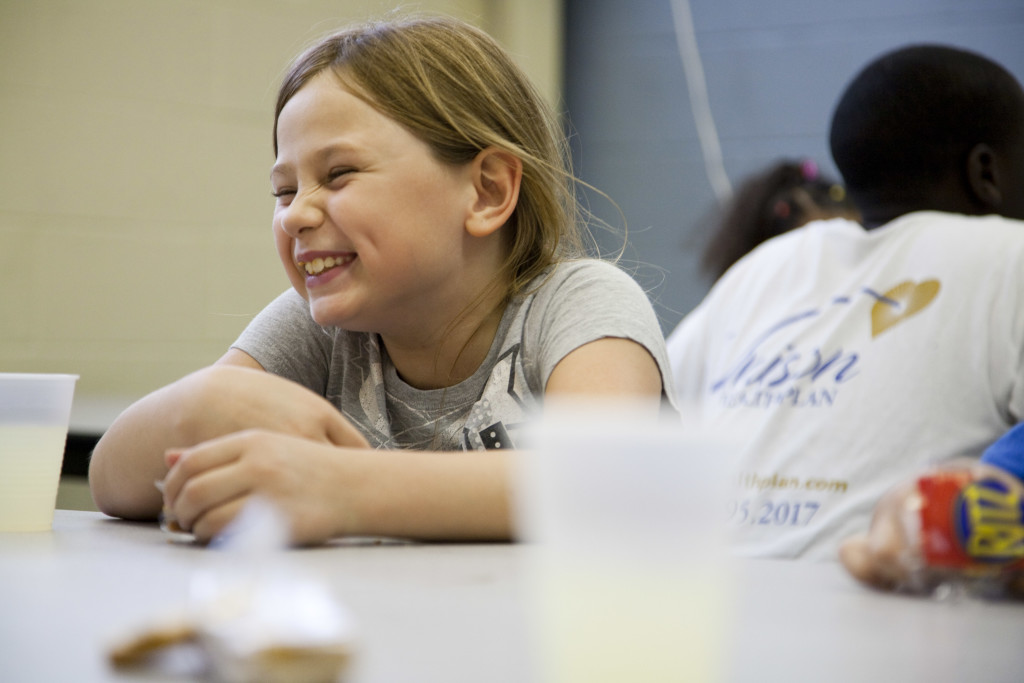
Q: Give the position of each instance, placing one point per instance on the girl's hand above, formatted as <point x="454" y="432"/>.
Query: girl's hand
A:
<point x="230" y="399"/>
<point x="231" y="396"/>
<point x="209" y="484"/>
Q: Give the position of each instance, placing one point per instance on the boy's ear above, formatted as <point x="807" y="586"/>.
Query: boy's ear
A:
<point x="497" y="176"/>
<point x="983" y="176"/>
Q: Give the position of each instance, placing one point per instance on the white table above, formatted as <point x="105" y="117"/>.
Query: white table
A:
<point x="459" y="613"/>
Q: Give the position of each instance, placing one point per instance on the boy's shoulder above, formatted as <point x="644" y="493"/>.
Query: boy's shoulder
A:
<point x="947" y="236"/>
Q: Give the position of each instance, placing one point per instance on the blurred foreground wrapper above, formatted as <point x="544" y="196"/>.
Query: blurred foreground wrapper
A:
<point x="250" y="615"/>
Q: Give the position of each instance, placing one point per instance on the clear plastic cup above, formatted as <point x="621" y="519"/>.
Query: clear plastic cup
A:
<point x="630" y="575"/>
<point x="34" y="413"/>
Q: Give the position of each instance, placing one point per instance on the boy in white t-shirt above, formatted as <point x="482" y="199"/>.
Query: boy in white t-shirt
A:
<point x="848" y="356"/>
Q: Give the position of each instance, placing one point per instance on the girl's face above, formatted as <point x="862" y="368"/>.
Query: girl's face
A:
<point x="369" y="225"/>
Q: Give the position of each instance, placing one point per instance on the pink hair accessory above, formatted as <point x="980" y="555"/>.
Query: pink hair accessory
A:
<point x="808" y="169"/>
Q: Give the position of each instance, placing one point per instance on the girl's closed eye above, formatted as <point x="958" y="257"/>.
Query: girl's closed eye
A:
<point x="339" y="173"/>
<point x="283" y="195"/>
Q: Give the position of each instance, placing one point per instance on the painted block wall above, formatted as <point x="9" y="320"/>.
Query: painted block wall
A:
<point x="135" y="206"/>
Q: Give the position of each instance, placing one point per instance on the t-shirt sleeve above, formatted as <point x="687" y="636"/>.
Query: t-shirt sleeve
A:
<point x="584" y="301"/>
<point x="286" y="341"/>
<point x="686" y="354"/>
<point x="1008" y="452"/>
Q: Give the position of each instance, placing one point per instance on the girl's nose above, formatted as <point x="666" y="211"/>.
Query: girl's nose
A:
<point x="302" y="213"/>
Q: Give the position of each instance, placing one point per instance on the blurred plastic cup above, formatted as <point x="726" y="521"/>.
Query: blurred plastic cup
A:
<point x="34" y="413"/>
<point x="629" y="575"/>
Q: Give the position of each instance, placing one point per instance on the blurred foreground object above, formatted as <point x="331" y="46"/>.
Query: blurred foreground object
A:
<point x="250" y="617"/>
<point x="629" y="573"/>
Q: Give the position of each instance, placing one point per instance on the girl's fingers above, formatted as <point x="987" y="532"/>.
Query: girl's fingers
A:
<point x="343" y="433"/>
<point x="171" y="457"/>
<point x="216" y="519"/>
<point x="208" y="490"/>
<point x="205" y="477"/>
<point x="187" y="463"/>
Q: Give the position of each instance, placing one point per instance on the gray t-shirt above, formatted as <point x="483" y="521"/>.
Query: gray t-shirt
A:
<point x="576" y="302"/>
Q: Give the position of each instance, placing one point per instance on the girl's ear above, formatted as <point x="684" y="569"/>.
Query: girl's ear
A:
<point x="497" y="176"/>
<point x="983" y="176"/>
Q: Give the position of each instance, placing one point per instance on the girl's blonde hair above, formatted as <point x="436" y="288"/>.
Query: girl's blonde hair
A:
<point x="452" y="86"/>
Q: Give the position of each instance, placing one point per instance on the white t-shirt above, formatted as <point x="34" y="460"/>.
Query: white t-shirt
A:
<point x="576" y="302"/>
<point x="843" y="360"/>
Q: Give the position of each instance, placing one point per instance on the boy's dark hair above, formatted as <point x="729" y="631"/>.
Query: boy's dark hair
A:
<point x="910" y="117"/>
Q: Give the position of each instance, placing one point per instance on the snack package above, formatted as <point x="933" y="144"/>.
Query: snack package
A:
<point x="250" y="616"/>
<point x="968" y="528"/>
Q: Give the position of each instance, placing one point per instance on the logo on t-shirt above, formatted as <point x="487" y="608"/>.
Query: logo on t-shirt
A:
<point x="901" y="302"/>
<point x="798" y="361"/>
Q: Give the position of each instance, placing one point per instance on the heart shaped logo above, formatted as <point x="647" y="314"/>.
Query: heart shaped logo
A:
<point x="901" y="302"/>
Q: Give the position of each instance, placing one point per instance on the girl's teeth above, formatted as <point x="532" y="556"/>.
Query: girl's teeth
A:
<point x="319" y="265"/>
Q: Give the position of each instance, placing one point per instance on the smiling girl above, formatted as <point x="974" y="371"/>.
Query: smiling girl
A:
<point x="426" y="218"/>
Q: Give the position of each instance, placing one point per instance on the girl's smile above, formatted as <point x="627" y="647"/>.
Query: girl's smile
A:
<point x="321" y="268"/>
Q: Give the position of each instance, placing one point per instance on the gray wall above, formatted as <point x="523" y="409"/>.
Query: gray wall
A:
<point x="773" y="68"/>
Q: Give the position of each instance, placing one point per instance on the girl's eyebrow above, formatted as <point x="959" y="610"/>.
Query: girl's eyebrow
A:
<point x="319" y="155"/>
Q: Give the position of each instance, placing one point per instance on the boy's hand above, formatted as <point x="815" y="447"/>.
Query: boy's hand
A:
<point x="886" y="557"/>
<point x="883" y="557"/>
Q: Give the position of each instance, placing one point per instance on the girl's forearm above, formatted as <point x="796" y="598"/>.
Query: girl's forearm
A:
<point x="440" y="496"/>
<point x="129" y="457"/>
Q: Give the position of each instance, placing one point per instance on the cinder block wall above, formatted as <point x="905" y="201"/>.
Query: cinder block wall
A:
<point x="135" y="204"/>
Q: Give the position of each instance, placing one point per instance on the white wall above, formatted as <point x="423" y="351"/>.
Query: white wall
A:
<point x="135" y="208"/>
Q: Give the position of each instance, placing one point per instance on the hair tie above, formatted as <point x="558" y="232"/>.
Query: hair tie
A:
<point x="808" y="169"/>
<point x="782" y="209"/>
